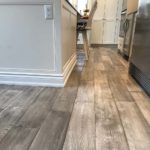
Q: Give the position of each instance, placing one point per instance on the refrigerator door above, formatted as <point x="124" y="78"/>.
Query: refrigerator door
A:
<point x="141" y="45"/>
<point x="140" y="59"/>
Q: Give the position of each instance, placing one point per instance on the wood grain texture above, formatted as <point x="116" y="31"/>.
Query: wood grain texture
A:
<point x="85" y="92"/>
<point x="52" y="132"/>
<point x="18" y="139"/>
<point x="13" y="112"/>
<point x="143" y="102"/>
<point x="81" y="132"/>
<point x="7" y="96"/>
<point x="136" y="129"/>
<point x="38" y="111"/>
<point x="130" y="83"/>
<point x="87" y="75"/>
<point x="109" y="131"/>
<point x="119" y="89"/>
<point x="101" y="85"/>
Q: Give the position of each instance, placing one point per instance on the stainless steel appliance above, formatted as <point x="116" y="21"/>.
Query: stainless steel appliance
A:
<point x="129" y="28"/>
<point x="123" y="19"/>
<point x="122" y="33"/>
<point x="140" y="59"/>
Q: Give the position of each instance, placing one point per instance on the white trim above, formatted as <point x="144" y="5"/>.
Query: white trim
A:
<point x="68" y="67"/>
<point x="50" y="80"/>
<point x="21" y="71"/>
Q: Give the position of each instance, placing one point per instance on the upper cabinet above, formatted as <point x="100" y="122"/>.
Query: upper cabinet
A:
<point x="100" y="12"/>
<point x="111" y="8"/>
<point x="106" y="22"/>
<point x="108" y="9"/>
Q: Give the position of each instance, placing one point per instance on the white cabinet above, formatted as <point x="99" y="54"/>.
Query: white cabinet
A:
<point x="106" y="22"/>
<point x="111" y="7"/>
<point x="109" y="32"/>
<point x="100" y="12"/>
<point x="97" y="32"/>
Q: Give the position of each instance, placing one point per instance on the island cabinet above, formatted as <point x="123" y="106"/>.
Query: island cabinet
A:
<point x="37" y="42"/>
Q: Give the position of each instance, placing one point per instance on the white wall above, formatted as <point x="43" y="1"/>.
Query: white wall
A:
<point x="106" y="22"/>
<point x="31" y="47"/>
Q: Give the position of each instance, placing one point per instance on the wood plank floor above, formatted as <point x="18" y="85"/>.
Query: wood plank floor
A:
<point x="101" y="108"/>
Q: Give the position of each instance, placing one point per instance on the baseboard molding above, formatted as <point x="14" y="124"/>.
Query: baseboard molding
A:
<point x="51" y="80"/>
<point x="31" y="80"/>
<point x="69" y="66"/>
<point x="104" y="45"/>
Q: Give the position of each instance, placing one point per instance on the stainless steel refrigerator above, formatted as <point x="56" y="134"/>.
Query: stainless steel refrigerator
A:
<point x="140" y="58"/>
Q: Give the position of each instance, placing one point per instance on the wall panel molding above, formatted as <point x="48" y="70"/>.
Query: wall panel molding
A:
<point x="39" y="79"/>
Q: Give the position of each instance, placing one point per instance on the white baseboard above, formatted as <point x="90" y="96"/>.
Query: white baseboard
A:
<point x="48" y="80"/>
<point x="69" y="66"/>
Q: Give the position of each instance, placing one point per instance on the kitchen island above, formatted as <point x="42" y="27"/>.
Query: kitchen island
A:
<point x="36" y="50"/>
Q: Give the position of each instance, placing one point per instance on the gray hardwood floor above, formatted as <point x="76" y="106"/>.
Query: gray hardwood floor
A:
<point x="101" y="108"/>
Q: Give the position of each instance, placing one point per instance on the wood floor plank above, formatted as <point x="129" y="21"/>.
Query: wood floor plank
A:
<point x="66" y="97"/>
<point x="26" y="98"/>
<point x="100" y="76"/>
<point x="85" y="92"/>
<point x="143" y="102"/>
<point x="109" y="131"/>
<point x="101" y="87"/>
<point x="65" y="100"/>
<point x="38" y="111"/>
<point x="18" y="138"/>
<point x="119" y="89"/>
<point x="130" y="83"/>
<point x="97" y="56"/>
<point x="52" y="134"/>
<point x="81" y="132"/>
<point x="7" y="97"/>
<point x="13" y="112"/>
<point x="136" y="129"/>
<point x="99" y="66"/>
<point x="87" y="75"/>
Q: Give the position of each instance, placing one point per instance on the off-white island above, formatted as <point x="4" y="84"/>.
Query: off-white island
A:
<point x="37" y="42"/>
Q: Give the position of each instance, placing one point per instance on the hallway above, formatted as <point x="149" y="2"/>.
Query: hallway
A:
<point x="103" y="106"/>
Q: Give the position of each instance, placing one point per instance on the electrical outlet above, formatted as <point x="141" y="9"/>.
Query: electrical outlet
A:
<point x="48" y="11"/>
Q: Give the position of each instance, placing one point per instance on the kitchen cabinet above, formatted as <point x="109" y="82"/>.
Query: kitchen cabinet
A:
<point x="97" y="31"/>
<point x="106" y="22"/>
